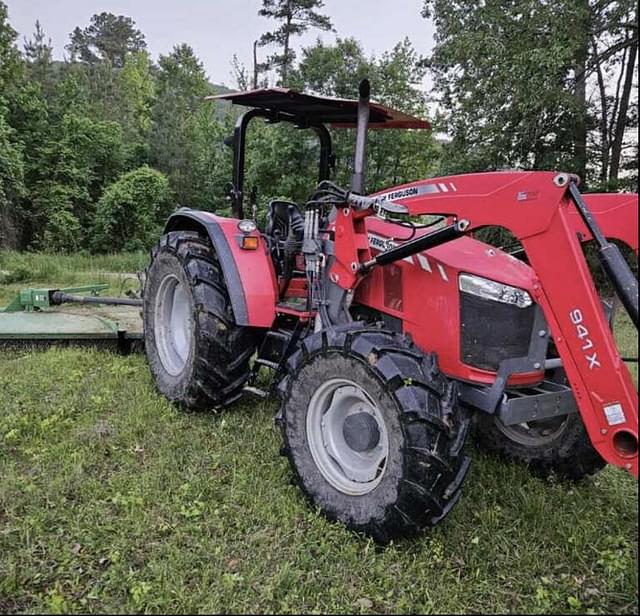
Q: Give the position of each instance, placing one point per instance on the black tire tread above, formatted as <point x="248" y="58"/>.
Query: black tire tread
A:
<point x="434" y="464"/>
<point x="223" y="349"/>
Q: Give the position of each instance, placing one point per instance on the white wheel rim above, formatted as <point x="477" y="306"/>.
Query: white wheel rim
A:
<point x="174" y="326"/>
<point x="351" y="472"/>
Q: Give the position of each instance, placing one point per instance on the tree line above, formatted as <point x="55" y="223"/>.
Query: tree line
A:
<point x="97" y="150"/>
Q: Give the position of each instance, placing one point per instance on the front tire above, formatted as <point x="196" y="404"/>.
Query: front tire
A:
<point x="373" y="431"/>
<point x="197" y="354"/>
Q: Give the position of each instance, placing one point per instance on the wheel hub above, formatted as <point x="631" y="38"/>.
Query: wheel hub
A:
<point x="534" y="433"/>
<point x="347" y="436"/>
<point x="361" y="432"/>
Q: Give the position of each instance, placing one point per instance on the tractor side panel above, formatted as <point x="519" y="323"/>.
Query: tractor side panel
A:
<point x="249" y="274"/>
<point x="421" y="291"/>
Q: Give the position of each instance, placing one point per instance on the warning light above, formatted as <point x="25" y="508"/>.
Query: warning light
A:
<point x="250" y="242"/>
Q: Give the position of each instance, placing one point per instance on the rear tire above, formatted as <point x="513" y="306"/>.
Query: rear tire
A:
<point x="198" y="356"/>
<point x="560" y="446"/>
<point x="400" y="466"/>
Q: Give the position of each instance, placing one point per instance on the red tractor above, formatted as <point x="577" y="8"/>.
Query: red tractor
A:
<point x="388" y="329"/>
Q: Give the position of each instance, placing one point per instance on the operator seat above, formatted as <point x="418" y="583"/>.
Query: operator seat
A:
<point x="283" y="217"/>
<point x="280" y="216"/>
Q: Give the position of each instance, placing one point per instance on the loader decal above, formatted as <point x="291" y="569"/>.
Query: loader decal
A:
<point x="415" y="191"/>
<point x="583" y="335"/>
<point x="615" y="414"/>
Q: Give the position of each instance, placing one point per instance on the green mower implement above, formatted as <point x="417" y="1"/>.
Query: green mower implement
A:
<point x="44" y="317"/>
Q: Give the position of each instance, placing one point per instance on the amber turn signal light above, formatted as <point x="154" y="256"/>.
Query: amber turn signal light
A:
<point x="249" y="242"/>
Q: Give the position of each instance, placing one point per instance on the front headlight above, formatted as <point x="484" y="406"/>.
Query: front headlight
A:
<point x="247" y="226"/>
<point x="496" y="291"/>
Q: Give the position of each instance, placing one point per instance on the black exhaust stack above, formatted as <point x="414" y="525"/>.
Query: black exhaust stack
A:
<point x="360" y="156"/>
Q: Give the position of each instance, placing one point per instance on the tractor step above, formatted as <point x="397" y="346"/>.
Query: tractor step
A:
<point x="267" y="363"/>
<point x="256" y="391"/>
<point x="299" y="304"/>
<point x="274" y="348"/>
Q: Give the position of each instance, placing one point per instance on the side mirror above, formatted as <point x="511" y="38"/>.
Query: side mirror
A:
<point x="229" y="141"/>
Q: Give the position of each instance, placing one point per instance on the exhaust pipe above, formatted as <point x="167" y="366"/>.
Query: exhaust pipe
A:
<point x="360" y="156"/>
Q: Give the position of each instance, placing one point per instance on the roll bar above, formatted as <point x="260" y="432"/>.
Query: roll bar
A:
<point x="239" y="140"/>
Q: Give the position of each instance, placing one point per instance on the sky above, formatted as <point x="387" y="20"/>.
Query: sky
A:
<point x="216" y="29"/>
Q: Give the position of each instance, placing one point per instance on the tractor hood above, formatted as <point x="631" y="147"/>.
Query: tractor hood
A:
<point x="464" y="255"/>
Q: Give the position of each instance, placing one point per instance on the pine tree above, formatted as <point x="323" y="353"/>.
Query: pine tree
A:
<point x="108" y="37"/>
<point x="295" y="18"/>
<point x="38" y="52"/>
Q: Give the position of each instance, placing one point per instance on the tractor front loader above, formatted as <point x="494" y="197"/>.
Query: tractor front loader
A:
<point x="389" y="328"/>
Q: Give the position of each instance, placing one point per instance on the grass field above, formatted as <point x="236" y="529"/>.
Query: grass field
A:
<point x="113" y="501"/>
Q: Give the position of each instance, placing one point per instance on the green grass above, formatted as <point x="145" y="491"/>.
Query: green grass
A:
<point x="111" y="500"/>
<point x="21" y="269"/>
<point x="627" y="339"/>
<point x="42" y="267"/>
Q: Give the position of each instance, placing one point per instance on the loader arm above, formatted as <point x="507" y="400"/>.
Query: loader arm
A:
<point x="616" y="215"/>
<point x="538" y="209"/>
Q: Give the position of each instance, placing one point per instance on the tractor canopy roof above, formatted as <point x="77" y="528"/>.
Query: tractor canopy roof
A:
<point x="338" y="112"/>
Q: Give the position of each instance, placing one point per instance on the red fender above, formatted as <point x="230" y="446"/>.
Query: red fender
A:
<point x="249" y="274"/>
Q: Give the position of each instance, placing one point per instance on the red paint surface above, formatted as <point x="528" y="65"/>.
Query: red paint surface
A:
<point x="256" y="272"/>
<point x="546" y="223"/>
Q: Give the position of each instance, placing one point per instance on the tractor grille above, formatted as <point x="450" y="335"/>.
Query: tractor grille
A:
<point x="492" y="331"/>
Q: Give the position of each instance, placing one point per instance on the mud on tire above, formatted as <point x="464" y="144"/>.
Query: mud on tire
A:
<point x="199" y="360"/>
<point x="425" y="465"/>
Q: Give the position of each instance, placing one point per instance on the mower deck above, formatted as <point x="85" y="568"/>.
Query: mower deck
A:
<point x="54" y="325"/>
<point x="65" y="325"/>
<point x="107" y="330"/>
<point x="31" y="320"/>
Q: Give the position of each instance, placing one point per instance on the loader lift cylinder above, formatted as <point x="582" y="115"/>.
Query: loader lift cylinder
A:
<point x="612" y="260"/>
<point x="424" y="242"/>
